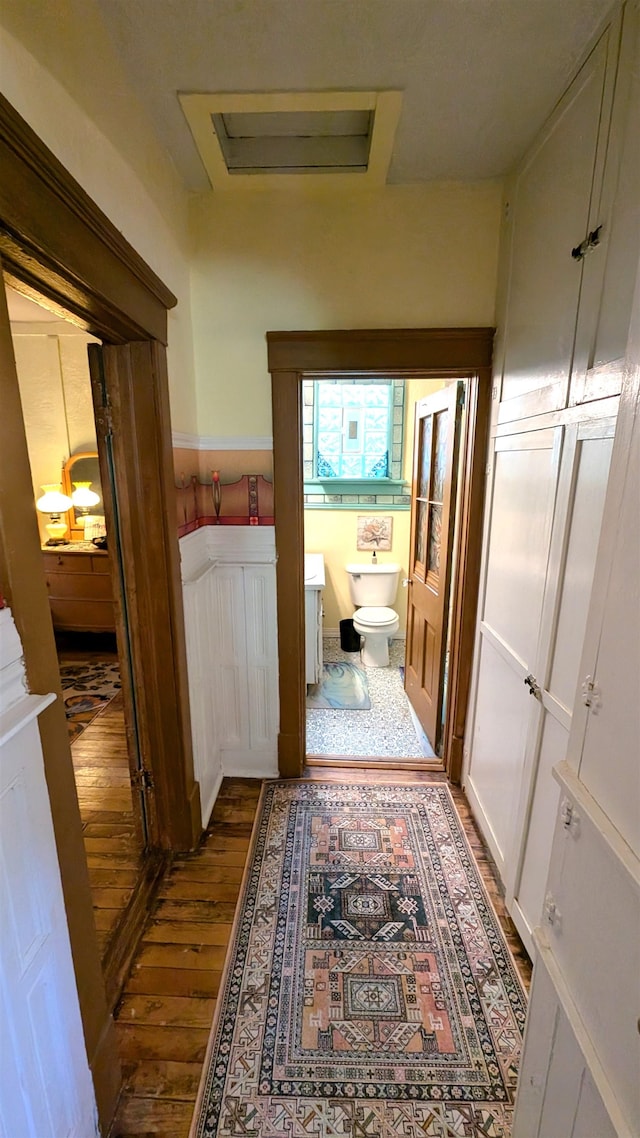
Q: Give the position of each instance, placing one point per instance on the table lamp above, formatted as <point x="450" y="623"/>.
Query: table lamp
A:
<point x="54" y="503"/>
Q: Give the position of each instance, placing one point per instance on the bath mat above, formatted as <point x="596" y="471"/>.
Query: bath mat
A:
<point x="342" y="687"/>
<point x="368" y="988"/>
<point x="87" y="687"/>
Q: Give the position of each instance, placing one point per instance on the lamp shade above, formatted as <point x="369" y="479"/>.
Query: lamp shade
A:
<point x="83" y="496"/>
<point x="53" y="501"/>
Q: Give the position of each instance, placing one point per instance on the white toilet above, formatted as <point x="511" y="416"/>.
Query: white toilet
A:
<point x="373" y="588"/>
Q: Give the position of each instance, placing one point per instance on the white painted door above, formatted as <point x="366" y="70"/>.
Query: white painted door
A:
<point x="584" y="470"/>
<point x="46" y="1089"/>
<point x="548" y="215"/>
<point x="519" y="523"/>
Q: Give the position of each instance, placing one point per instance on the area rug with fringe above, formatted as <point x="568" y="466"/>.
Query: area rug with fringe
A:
<point x="342" y="687"/>
<point x="87" y="687"/>
<point x="368" y="990"/>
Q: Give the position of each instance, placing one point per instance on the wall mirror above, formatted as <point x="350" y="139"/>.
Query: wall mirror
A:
<point x="82" y="470"/>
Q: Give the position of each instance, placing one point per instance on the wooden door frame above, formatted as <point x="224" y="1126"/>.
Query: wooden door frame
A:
<point x="439" y="353"/>
<point x="56" y="242"/>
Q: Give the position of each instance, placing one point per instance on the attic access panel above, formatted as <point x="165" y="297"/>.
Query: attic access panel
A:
<point x="285" y="139"/>
<point x="278" y="142"/>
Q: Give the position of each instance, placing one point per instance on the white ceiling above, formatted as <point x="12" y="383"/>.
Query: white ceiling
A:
<point x="479" y="76"/>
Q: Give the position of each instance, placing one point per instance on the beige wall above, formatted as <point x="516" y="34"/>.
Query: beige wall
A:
<point x="333" y="532"/>
<point x="55" y="392"/>
<point x="79" y="104"/>
<point x="404" y="256"/>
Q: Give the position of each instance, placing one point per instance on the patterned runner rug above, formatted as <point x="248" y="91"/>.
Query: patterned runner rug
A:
<point x="87" y="687"/>
<point x="368" y="992"/>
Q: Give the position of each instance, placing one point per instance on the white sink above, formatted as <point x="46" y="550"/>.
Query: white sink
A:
<point x="314" y="571"/>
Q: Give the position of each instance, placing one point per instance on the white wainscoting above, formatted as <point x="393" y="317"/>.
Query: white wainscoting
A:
<point x="46" y="1090"/>
<point x="229" y="585"/>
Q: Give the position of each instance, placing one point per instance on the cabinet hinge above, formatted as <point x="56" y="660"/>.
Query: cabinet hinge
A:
<point x="591" y="694"/>
<point x="104" y="419"/>
<point x="142" y="780"/>
<point x="569" y="816"/>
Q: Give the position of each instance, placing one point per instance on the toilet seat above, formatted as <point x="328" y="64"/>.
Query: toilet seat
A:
<point x="379" y="618"/>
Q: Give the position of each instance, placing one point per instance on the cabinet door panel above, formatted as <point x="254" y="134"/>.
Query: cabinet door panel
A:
<point x="594" y="458"/>
<point x="550" y="212"/>
<point x="500" y="731"/>
<point x="610" y="270"/>
<point x="521" y="515"/>
<point x="538" y="837"/>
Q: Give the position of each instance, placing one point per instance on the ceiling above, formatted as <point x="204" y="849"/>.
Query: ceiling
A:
<point x="478" y="77"/>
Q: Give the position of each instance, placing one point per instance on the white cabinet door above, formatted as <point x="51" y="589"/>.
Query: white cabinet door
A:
<point x="549" y="213"/>
<point x="574" y="542"/>
<point x="610" y="268"/>
<point x="525" y="472"/>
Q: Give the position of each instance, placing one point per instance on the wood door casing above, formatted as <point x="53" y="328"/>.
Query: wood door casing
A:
<point x="433" y="496"/>
<point x="440" y="353"/>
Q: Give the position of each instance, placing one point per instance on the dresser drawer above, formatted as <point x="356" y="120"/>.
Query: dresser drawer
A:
<point x="67" y="562"/>
<point x="79" y="586"/>
<point x="83" y="586"/>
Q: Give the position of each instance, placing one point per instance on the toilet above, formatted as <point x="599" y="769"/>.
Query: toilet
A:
<point x="373" y="589"/>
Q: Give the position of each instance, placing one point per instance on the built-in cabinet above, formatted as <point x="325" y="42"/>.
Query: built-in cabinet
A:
<point x="570" y="253"/>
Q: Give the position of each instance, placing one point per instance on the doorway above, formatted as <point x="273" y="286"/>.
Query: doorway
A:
<point x="55" y="242"/>
<point x="82" y="567"/>
<point x="382" y="458"/>
<point x="444" y="354"/>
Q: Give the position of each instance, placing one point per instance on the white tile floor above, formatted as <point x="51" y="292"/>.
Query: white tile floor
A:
<point x="388" y="730"/>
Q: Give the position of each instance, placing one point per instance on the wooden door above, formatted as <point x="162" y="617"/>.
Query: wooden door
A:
<point x="435" y="466"/>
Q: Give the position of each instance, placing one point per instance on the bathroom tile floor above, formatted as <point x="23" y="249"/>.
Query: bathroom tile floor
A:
<point x="386" y="731"/>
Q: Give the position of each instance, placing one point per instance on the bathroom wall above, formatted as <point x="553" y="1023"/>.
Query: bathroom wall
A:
<point x="333" y="532"/>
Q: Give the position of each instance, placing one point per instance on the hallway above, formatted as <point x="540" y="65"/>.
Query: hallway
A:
<point x="164" y="1016"/>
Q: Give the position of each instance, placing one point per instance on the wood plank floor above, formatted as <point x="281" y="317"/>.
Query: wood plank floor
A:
<point x="112" y="843"/>
<point x="164" y="1016"/>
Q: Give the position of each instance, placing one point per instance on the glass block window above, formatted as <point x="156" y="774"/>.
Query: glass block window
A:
<point x="353" y="433"/>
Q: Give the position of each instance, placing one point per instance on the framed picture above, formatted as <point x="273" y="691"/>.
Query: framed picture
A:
<point x="375" y="533"/>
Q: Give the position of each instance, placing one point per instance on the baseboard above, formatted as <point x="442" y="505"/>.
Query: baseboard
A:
<point x="207" y="808"/>
<point x="249" y="764"/>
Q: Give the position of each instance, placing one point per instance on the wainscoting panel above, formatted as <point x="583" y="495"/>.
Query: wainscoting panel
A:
<point x="199" y="617"/>
<point x="229" y="588"/>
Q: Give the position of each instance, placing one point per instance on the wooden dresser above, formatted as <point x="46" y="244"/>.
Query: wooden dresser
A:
<point x="79" y="586"/>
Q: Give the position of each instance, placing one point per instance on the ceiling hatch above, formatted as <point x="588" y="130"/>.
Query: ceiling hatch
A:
<point x="280" y="139"/>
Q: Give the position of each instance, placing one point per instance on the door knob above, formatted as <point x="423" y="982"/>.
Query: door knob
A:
<point x="406" y="581"/>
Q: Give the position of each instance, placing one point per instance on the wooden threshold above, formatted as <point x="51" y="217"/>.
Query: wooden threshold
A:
<point x="382" y="762"/>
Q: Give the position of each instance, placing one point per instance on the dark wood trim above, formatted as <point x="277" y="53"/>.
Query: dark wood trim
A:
<point x="467" y="577"/>
<point x="463" y="353"/>
<point x="135" y="424"/>
<point x="126" y="939"/>
<point x="56" y="241"/>
<point x="379" y="349"/>
<point x="289" y="524"/>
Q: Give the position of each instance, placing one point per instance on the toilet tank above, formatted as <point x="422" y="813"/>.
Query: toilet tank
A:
<point x="373" y="584"/>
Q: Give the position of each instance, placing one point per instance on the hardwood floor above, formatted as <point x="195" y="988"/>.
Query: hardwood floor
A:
<point x="112" y="843"/>
<point x="164" y="1016"/>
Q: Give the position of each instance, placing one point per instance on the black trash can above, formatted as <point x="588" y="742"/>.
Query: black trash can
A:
<point x="349" y="638"/>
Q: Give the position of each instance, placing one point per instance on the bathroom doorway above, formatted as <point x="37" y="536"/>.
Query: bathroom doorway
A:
<point x="381" y="458"/>
<point x="457" y="360"/>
